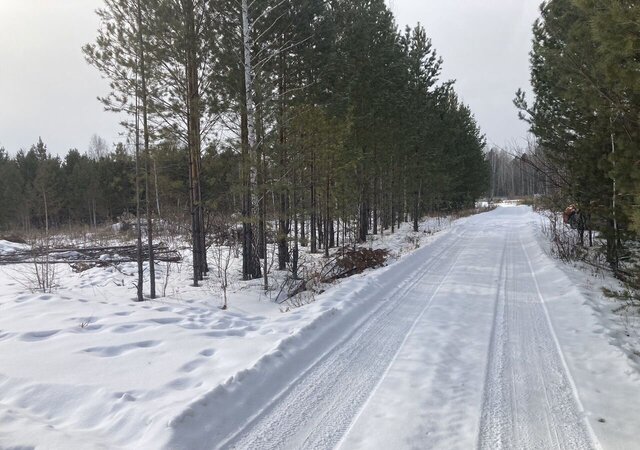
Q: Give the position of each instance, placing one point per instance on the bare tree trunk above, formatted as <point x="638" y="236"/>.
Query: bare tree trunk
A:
<point x="262" y="201"/>
<point x="193" y="132"/>
<point x="344" y="233"/>
<point x="251" y="266"/>
<point x="375" y="216"/>
<point x="46" y="279"/>
<point x="363" y="225"/>
<point x="95" y="218"/>
<point x="294" y="258"/>
<point x="283" y="224"/>
<point x="375" y="192"/>
<point x="392" y="206"/>
<point x="248" y="84"/>
<point x="283" y="233"/>
<point x="327" y="230"/>
<point x="312" y="203"/>
<point x="416" y="202"/>
<point x="263" y="226"/>
<point x="145" y="128"/>
<point x="320" y="228"/>
<point x="615" y="258"/>
<point x="194" y="219"/>
<point x="155" y="178"/>
<point x="139" y="286"/>
<point x="332" y="233"/>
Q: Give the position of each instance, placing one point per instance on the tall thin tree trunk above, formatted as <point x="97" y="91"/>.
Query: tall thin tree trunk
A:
<point x="327" y="231"/>
<point x="392" y="208"/>
<point x="263" y="226"/>
<point x="283" y="223"/>
<point x="193" y="131"/>
<point x="139" y="286"/>
<point x="294" y="258"/>
<point x="46" y="279"/>
<point x="195" y="241"/>
<point x="332" y="233"/>
<point x="363" y="225"/>
<point x="615" y="258"/>
<point x="252" y="266"/>
<point x="313" y="212"/>
<point x="155" y="178"/>
<point x="147" y="174"/>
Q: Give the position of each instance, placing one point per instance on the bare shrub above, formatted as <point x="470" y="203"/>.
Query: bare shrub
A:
<point x="302" y="290"/>
<point x="38" y="274"/>
<point x="313" y="276"/>
<point x="221" y="259"/>
<point x="565" y="242"/>
<point x="166" y="276"/>
<point x="172" y="243"/>
<point x="414" y="240"/>
<point x="225" y="248"/>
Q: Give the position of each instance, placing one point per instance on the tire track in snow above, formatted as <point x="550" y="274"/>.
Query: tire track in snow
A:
<point x="494" y="397"/>
<point x="316" y="410"/>
<point x="530" y="400"/>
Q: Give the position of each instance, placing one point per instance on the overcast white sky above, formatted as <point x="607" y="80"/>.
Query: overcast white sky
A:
<point x="48" y="90"/>
<point x="485" y="45"/>
<point x="46" y="87"/>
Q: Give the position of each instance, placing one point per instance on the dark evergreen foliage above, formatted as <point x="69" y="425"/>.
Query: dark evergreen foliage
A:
<point x="586" y="79"/>
<point x="355" y="133"/>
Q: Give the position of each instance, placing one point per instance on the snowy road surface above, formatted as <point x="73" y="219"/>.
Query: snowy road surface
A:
<point x="457" y="348"/>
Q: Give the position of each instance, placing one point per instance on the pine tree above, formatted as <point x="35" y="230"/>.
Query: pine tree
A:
<point x="120" y="54"/>
<point x="583" y="114"/>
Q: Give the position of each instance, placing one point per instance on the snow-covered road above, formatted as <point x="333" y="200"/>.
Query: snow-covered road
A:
<point x="459" y="350"/>
<point x="476" y="339"/>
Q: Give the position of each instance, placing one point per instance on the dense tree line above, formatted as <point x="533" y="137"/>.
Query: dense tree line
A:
<point x="36" y="186"/>
<point x="97" y="187"/>
<point x="309" y="122"/>
<point x="586" y="80"/>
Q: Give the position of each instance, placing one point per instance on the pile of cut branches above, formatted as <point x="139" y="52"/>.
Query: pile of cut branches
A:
<point x="89" y="255"/>
<point x="352" y="261"/>
<point x="345" y="263"/>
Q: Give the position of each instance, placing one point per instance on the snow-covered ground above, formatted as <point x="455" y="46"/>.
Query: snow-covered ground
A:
<point x="474" y="338"/>
<point x="86" y="367"/>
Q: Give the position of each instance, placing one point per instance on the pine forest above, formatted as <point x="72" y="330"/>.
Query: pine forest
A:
<point x="303" y="122"/>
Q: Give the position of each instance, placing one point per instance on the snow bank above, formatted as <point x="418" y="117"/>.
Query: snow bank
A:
<point x="86" y="367"/>
<point x="7" y="247"/>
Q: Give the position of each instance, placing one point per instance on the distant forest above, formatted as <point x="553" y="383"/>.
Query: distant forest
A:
<point x="97" y="187"/>
<point x="517" y="173"/>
